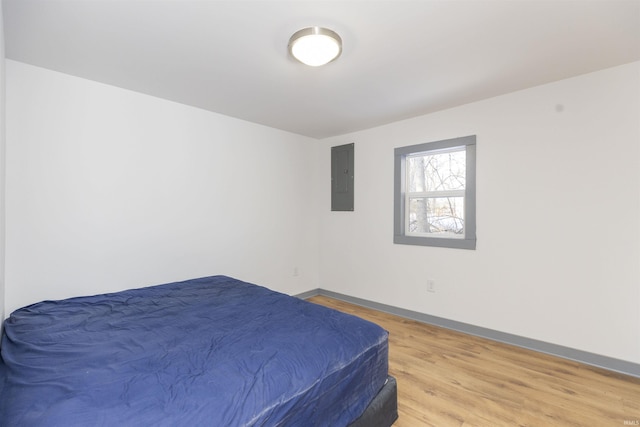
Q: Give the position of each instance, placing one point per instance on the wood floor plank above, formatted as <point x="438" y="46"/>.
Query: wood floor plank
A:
<point x="447" y="378"/>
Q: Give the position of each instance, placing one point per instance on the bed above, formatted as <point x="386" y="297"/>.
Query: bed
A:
<point x="213" y="351"/>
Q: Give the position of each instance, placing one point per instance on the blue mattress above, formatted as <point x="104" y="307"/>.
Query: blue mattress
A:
<point x="213" y="351"/>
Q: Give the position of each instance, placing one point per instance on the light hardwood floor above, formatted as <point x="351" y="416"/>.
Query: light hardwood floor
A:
<point x="446" y="378"/>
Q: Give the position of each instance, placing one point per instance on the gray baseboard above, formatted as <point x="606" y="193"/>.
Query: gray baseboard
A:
<point x="311" y="293"/>
<point x="604" y="362"/>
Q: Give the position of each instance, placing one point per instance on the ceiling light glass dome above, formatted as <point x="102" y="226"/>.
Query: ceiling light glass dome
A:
<point x="315" y="46"/>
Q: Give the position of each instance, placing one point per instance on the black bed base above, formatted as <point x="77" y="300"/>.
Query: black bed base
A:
<point x="383" y="409"/>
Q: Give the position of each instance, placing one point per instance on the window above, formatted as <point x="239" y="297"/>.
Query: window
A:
<point x="435" y="194"/>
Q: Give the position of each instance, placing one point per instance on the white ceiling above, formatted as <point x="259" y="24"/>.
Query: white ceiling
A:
<point x="400" y="58"/>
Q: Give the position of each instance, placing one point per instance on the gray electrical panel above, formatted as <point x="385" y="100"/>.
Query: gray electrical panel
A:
<point x="342" y="178"/>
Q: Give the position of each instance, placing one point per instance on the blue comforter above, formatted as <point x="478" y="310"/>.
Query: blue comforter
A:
<point x="213" y="351"/>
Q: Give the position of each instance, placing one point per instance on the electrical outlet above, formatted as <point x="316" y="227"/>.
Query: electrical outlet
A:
<point x="296" y="272"/>
<point x="431" y="285"/>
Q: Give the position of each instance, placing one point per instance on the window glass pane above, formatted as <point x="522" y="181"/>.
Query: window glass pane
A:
<point x="436" y="172"/>
<point x="437" y="216"/>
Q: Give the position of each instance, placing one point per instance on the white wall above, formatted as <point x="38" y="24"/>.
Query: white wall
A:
<point x="2" y="167"/>
<point x="109" y="189"/>
<point x="558" y="217"/>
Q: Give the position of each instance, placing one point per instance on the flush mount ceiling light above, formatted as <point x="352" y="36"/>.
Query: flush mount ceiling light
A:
<point x="315" y="46"/>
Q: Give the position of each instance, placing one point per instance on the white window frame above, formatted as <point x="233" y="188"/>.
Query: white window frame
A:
<point x="402" y="197"/>
<point x="429" y="194"/>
